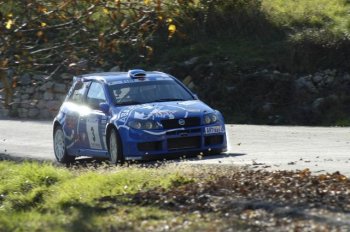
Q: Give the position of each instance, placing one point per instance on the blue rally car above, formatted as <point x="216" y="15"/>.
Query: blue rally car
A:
<point x="135" y="115"/>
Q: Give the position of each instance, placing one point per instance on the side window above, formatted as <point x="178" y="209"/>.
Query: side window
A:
<point x="96" y="95"/>
<point x="78" y="92"/>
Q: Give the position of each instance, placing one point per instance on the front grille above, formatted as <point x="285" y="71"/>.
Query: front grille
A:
<point x="150" y="146"/>
<point x="213" y="140"/>
<point x="174" y="123"/>
<point x="181" y="132"/>
<point x="184" y="143"/>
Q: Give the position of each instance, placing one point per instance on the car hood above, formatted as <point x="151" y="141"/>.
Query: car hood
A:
<point x="161" y="111"/>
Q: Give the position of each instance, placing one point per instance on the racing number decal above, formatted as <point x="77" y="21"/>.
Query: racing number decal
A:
<point x="93" y="133"/>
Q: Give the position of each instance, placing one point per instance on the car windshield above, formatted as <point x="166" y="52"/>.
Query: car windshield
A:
<point x="148" y="91"/>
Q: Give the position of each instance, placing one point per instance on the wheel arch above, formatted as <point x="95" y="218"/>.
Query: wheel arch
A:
<point x="109" y="128"/>
<point x="55" y="125"/>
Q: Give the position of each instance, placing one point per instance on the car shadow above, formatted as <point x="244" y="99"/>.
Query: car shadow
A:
<point x="219" y="156"/>
<point x="88" y="162"/>
<point x="93" y="162"/>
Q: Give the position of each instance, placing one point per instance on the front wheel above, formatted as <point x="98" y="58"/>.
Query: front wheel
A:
<point x="59" y="146"/>
<point x="115" y="148"/>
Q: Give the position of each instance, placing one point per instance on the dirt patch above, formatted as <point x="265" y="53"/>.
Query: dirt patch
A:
<point x="280" y="200"/>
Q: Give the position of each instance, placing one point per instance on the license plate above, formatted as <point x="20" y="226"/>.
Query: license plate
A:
<point x="214" y="130"/>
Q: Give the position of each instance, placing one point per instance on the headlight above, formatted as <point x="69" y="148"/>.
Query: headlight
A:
<point x="210" y="118"/>
<point x="143" y="124"/>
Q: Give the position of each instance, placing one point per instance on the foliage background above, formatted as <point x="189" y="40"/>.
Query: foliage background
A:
<point x="51" y="35"/>
<point x="219" y="39"/>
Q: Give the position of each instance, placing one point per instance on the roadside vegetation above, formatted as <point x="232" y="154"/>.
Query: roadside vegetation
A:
<point x="53" y="36"/>
<point x="218" y="44"/>
<point x="168" y="197"/>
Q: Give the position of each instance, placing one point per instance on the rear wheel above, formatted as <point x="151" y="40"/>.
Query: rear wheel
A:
<point x="59" y="146"/>
<point x="115" y="148"/>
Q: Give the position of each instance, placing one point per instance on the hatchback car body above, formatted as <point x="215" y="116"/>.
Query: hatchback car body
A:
<point x="135" y="115"/>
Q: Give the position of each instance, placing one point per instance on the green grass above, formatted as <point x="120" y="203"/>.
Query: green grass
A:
<point x="294" y="35"/>
<point x="320" y="22"/>
<point x="43" y="197"/>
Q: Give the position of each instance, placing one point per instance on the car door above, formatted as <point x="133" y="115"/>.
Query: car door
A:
<point x="96" y="120"/>
<point x="71" y="120"/>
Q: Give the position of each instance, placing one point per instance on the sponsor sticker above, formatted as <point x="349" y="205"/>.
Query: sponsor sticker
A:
<point x="214" y="129"/>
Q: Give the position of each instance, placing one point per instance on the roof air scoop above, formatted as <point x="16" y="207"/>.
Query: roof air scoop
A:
<point x="137" y="73"/>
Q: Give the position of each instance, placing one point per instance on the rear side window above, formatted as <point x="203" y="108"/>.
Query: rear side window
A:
<point x="78" y="92"/>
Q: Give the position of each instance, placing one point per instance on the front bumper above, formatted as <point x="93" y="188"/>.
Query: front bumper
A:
<point x="164" y="144"/>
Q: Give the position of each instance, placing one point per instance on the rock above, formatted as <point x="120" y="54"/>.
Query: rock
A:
<point x="330" y="72"/>
<point x="317" y="78"/>
<point x="59" y="88"/>
<point x="37" y="95"/>
<point x="267" y="108"/>
<point x="230" y="88"/>
<point x="30" y="90"/>
<point x="25" y="104"/>
<point x="53" y="106"/>
<point x="48" y="96"/>
<point x="66" y="76"/>
<point x="33" y="113"/>
<point x="10" y="72"/>
<point x="4" y="112"/>
<point x="329" y="79"/>
<point x="48" y="85"/>
<point x="68" y="83"/>
<point x="25" y="97"/>
<point x="15" y="105"/>
<point x="60" y="97"/>
<point x="44" y="113"/>
<point x="191" y="61"/>
<point x="41" y="104"/>
<point x="38" y="77"/>
<point x="275" y="119"/>
<point x="333" y="98"/>
<point x="16" y="100"/>
<point x="346" y="77"/>
<point x="305" y="82"/>
<point x="34" y="102"/>
<point x="25" y="79"/>
<point x="22" y="113"/>
<point x="115" y="69"/>
<point x="317" y="104"/>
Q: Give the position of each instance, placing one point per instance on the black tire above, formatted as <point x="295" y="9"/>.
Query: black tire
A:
<point x="59" y="147"/>
<point x="115" y="149"/>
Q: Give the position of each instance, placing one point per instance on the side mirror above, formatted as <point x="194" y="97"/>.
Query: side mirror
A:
<point x="104" y="107"/>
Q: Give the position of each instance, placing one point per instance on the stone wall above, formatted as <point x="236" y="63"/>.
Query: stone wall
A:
<point x="248" y="96"/>
<point x="268" y="96"/>
<point x="36" y="97"/>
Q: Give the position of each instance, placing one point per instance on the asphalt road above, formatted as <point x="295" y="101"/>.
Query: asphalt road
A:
<point x="265" y="147"/>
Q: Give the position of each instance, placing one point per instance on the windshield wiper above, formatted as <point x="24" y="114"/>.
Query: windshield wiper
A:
<point x="169" y="99"/>
<point x="128" y="103"/>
